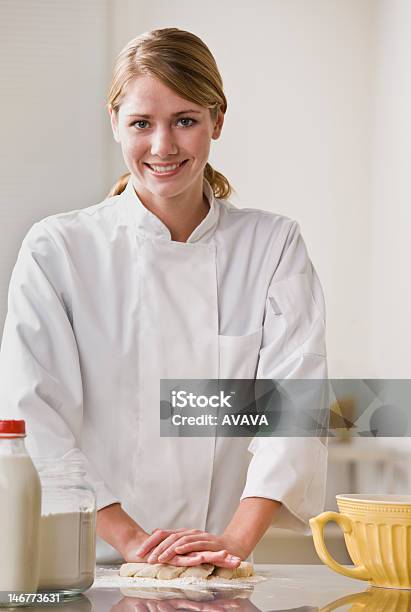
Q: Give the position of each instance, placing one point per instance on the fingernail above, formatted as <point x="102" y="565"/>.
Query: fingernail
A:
<point x="151" y="558"/>
<point x="162" y="557"/>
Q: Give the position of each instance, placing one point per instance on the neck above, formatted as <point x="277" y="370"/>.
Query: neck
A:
<point x="182" y="213"/>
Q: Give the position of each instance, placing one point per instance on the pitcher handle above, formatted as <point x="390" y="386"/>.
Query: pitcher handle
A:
<point x="317" y="525"/>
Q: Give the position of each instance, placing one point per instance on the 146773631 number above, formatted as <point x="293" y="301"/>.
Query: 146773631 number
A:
<point x="28" y="598"/>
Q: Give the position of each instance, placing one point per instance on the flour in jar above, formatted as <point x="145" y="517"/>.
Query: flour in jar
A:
<point x="67" y="550"/>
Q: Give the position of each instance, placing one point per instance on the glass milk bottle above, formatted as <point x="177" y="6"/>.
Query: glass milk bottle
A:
<point x="20" y="507"/>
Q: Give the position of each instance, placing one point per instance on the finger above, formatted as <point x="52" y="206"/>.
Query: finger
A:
<point x="187" y="560"/>
<point x="186" y="604"/>
<point x="164" y="606"/>
<point x="152" y="541"/>
<point x="186" y="540"/>
<point x="197" y="535"/>
<point x="158" y="550"/>
<point x="156" y="537"/>
<point x="136" y="606"/>
<point x="206" y="607"/>
<point x="189" y="548"/>
<point x="196" y="546"/>
<point x="170" y="530"/>
<point x="151" y="605"/>
<point x="221" y="558"/>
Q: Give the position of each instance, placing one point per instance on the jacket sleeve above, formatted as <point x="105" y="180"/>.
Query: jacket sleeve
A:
<point x="292" y="470"/>
<point x="40" y="375"/>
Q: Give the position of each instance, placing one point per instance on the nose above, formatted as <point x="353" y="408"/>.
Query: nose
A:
<point x="163" y="143"/>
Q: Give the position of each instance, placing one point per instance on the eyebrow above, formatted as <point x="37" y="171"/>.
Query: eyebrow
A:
<point x="184" y="112"/>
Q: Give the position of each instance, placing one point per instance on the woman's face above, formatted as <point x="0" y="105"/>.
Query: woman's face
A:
<point x="165" y="139"/>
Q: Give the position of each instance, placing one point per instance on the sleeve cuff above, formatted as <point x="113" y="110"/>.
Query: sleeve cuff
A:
<point x="104" y="497"/>
<point x="298" y="461"/>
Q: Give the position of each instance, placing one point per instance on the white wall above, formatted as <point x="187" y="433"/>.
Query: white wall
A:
<point x="54" y="154"/>
<point x="390" y="314"/>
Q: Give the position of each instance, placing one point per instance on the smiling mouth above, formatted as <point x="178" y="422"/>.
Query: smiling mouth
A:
<point x="165" y="169"/>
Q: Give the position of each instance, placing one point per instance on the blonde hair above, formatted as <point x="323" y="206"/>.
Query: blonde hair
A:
<point x="182" y="62"/>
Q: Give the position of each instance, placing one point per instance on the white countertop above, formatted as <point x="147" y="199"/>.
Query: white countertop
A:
<point x="307" y="588"/>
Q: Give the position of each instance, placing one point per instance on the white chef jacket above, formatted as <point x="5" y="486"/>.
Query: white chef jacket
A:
<point x="103" y="304"/>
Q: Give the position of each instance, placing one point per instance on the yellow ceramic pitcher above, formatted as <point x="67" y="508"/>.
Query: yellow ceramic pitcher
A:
<point x="377" y="533"/>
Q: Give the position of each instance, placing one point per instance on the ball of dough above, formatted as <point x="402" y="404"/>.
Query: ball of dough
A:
<point x="141" y="570"/>
<point x="198" y="571"/>
<point x="166" y="571"/>
<point x="244" y="570"/>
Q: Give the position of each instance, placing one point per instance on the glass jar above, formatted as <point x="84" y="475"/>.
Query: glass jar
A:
<point x="67" y="527"/>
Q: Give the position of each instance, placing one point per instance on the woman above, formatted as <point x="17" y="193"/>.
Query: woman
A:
<point x="166" y="279"/>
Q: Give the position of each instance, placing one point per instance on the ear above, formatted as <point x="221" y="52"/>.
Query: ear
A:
<point x="114" y="122"/>
<point x="218" y="125"/>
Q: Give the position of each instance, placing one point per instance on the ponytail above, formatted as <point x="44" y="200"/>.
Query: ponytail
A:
<point x="219" y="184"/>
<point x="119" y="187"/>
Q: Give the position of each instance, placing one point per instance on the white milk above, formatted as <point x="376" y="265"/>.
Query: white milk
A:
<point x="20" y="504"/>
<point x="67" y="551"/>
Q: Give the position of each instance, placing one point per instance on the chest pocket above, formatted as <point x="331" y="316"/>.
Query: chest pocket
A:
<point x="238" y="355"/>
<point x="293" y="322"/>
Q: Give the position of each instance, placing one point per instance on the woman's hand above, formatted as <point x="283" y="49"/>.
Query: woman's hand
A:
<point x="168" y="546"/>
<point x="131" y="552"/>
<point x="134" y="544"/>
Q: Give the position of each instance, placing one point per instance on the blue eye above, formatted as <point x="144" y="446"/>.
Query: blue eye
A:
<point x="138" y="122"/>
<point x="193" y="121"/>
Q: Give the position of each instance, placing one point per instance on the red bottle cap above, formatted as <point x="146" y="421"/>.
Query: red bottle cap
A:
<point x="12" y="428"/>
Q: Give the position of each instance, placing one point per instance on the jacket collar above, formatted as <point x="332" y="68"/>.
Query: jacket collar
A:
<point x="149" y="224"/>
